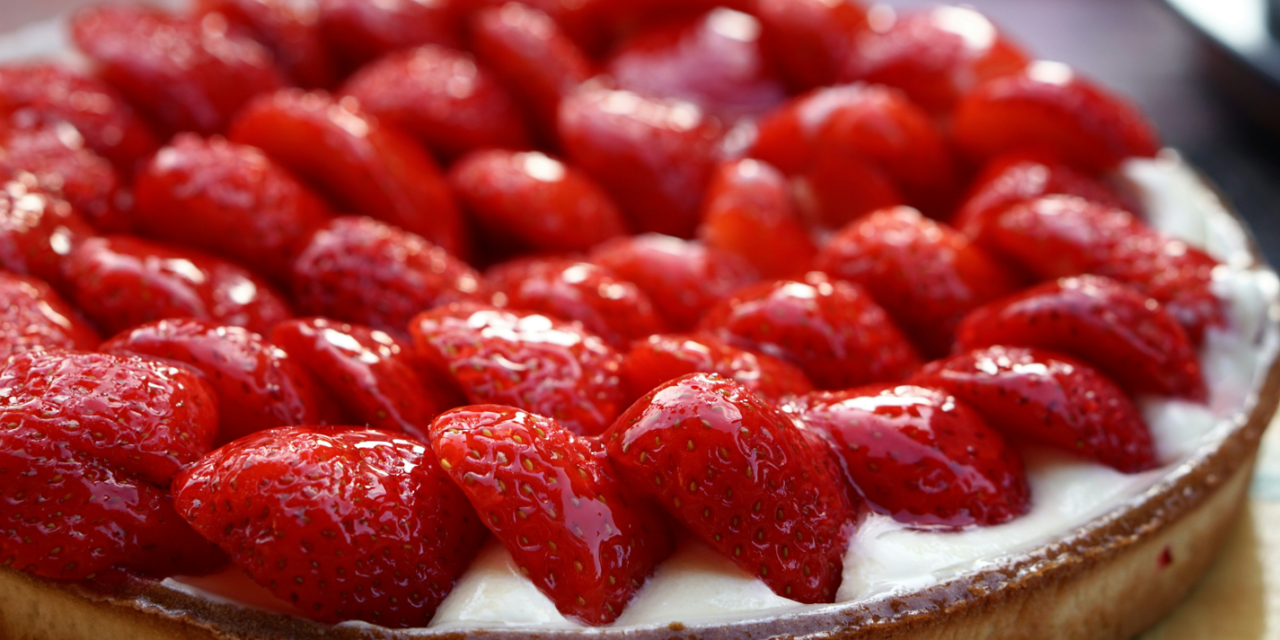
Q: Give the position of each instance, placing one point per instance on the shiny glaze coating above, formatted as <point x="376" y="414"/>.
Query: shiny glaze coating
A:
<point x="38" y="229"/>
<point x="808" y="39"/>
<point x="33" y="317"/>
<point x="58" y="158"/>
<point x="289" y="28"/>
<point x="663" y="357"/>
<point x="749" y="211"/>
<point x="359" y="31"/>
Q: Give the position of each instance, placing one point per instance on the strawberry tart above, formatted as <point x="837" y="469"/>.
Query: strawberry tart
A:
<point x="604" y="319"/>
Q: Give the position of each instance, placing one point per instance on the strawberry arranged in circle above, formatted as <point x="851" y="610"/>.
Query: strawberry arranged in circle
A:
<point x="378" y="380"/>
<point x="1044" y="397"/>
<point x="346" y="525"/>
<point x="121" y="282"/>
<point x="361" y="270"/>
<point x="1116" y="329"/>
<point x="359" y="31"/>
<point x="925" y="274"/>
<point x="741" y="476"/>
<point x="441" y="96"/>
<point x="527" y="360"/>
<point x="749" y="211"/>
<point x="234" y="200"/>
<point x="57" y="157"/>
<point x="557" y="507"/>
<point x="614" y="309"/>
<point x="258" y="385"/>
<point x="291" y="30"/>
<point x="362" y="165"/>
<point x="918" y="455"/>
<point x="808" y="39"/>
<point x="663" y="357"/>
<point x="34" y="317"/>
<point x="831" y="329"/>
<point x="38" y="229"/>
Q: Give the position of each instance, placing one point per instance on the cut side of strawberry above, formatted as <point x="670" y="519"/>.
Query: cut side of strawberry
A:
<point x="664" y="357"/>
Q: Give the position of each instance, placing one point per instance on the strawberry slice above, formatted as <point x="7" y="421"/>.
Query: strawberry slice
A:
<point x="34" y="317"/>
<point x="441" y="96"/>
<point x="555" y="505"/>
<point x="614" y="309"/>
<point x="349" y="525"/>
<point x="121" y="282"/>
<point x="664" y="357"/>
<point x="807" y="39"/>
<point x="365" y="271"/>
<point x="359" y="31"/>
<point x="363" y="166"/>
<point x="236" y="203"/>
<point x="291" y="30"/>
<point x="379" y="380"/>
<point x="258" y="385"/>
<point x="925" y="274"/>
<point x="918" y="455"/>
<point x="742" y="477"/>
<point x="749" y="211"/>
<point x="1048" y="398"/>
<point x="1125" y="334"/>
<point x="836" y="188"/>
<point x="58" y="159"/>
<point x="37" y="230"/>
<point x="527" y="360"/>
<point x="833" y="330"/>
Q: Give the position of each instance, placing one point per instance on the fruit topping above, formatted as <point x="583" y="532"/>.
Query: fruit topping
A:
<point x="749" y="211"/>
<point x="808" y="39"/>
<point x="58" y="159"/>
<point x="359" y="31"/>
<point x="34" y="317"/>
<point x="37" y="230"/>
<point x="290" y="29"/>
<point x="664" y="357"/>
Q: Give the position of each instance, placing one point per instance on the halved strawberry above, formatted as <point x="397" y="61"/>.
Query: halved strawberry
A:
<point x="836" y="188"/>
<point x="1052" y="399"/>
<point x="749" y="211"/>
<point x="358" y="31"/>
<point x="291" y="30"/>
<point x="555" y="505"/>
<point x="808" y="39"/>
<point x="57" y="157"/>
<point x="741" y="476"/>
<point x="34" y="317"/>
<point x="664" y="357"/>
<point x="37" y="230"/>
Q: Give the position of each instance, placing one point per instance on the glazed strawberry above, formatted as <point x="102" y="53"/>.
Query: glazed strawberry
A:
<point x="836" y="188"/>
<point x="530" y="361"/>
<point x="807" y="39"/>
<point x="924" y="273"/>
<point x="42" y="93"/>
<point x="918" y="455"/>
<point x="1123" y="333"/>
<point x="347" y="525"/>
<point x="1048" y="107"/>
<point x="559" y="510"/>
<point x="363" y="166"/>
<point x="441" y="96"/>
<point x="749" y="211"/>
<point x="935" y="55"/>
<point x="258" y="385"/>
<point x="122" y="282"/>
<point x="37" y="230"/>
<point x="56" y="155"/>
<point x="529" y="201"/>
<point x="682" y="278"/>
<point x="831" y="329"/>
<point x="359" y="31"/>
<point x="378" y="379"/>
<point x="655" y="156"/>
<point x="34" y="317"/>
<point x="1047" y="398"/>
<point x="291" y="30"/>
<point x="1058" y="236"/>
<point x="612" y="308"/>
<point x="235" y="202"/>
<point x="741" y="476"/>
<point x="364" y="271"/>
<point x="187" y="74"/>
<point x="663" y="357"/>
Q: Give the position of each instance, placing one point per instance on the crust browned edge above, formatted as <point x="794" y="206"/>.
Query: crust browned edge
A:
<point x="1111" y="579"/>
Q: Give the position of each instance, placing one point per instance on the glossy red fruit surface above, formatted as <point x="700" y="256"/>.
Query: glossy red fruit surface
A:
<point x="290" y="29"/>
<point x="664" y="357"/>
<point x="831" y="329"/>
<point x="1048" y="398"/>
<point x="560" y="511"/>
<point x="741" y="476"/>
<point x="749" y="211"/>
<point x="545" y="366"/>
<point x="1019" y="177"/>
<point x="38" y="229"/>
<point x="58" y="159"/>
<point x="808" y="39"/>
<point x="918" y="455"/>
<point x="34" y="317"/>
<point x="358" y="31"/>
<point x="349" y="525"/>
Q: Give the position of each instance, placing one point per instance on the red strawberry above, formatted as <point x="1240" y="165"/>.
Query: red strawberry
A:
<point x="34" y="317"/>
<point x="235" y="202"/>
<point x="666" y="357"/>
<point x="1112" y="327"/>
<point x="291" y="30"/>
<point x="807" y="39"/>
<point x="441" y="96"/>
<point x="682" y="278"/>
<point x="348" y="525"/>
<point x="1048" y="107"/>
<point x="526" y="360"/>
<point x="259" y="386"/>
<point x="749" y="211"/>
<point x="122" y="282"/>
<point x="919" y="455"/>
<point x="56" y="156"/>
<point x="359" y="30"/>
<point x="361" y="270"/>
<point x="532" y="201"/>
<point x="188" y="74"/>
<point x="1044" y="397"/>
<point x="925" y="274"/>
<point x="833" y="330"/>
<point x="379" y="380"/>
<point x="37" y="230"/>
<point x="362" y="165"/>
<point x="557" y="508"/>
<point x="742" y="477"/>
<point x="616" y="310"/>
<point x="836" y="188"/>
